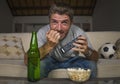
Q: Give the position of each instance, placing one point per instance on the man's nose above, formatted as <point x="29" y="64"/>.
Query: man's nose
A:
<point x="59" y="26"/>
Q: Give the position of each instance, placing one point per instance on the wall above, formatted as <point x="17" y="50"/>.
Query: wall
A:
<point x="106" y="15"/>
<point x="6" y="18"/>
<point x="44" y="19"/>
<point x="8" y="22"/>
<point x="29" y="21"/>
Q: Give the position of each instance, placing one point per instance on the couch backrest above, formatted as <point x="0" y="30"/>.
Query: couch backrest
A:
<point x="96" y="38"/>
<point x="99" y="38"/>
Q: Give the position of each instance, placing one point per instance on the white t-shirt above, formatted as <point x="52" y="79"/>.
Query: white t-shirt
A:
<point x="74" y="32"/>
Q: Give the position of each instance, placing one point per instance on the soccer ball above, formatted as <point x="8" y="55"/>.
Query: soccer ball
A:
<point x="107" y="51"/>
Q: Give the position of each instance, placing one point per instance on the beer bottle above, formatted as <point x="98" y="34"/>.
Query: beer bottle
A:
<point x="33" y="60"/>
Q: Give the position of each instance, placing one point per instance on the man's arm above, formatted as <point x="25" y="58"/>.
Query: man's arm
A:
<point x="82" y="47"/>
<point x="52" y="40"/>
<point x="92" y="55"/>
<point x="44" y="50"/>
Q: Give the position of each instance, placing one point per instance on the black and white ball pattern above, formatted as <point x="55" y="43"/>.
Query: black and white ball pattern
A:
<point x="107" y="51"/>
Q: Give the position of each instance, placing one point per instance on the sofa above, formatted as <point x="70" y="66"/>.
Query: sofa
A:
<point x="14" y="66"/>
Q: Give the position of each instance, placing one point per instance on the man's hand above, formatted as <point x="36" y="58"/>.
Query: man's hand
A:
<point x="81" y="45"/>
<point x="53" y="38"/>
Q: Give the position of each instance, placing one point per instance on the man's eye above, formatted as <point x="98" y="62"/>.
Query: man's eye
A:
<point x="53" y="22"/>
<point x="65" y="23"/>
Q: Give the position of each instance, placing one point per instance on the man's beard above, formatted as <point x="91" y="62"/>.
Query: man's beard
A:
<point x="65" y="34"/>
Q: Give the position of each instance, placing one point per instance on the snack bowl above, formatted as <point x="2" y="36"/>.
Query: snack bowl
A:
<point x="79" y="74"/>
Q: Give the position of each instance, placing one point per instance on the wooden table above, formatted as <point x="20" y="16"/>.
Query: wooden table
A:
<point x="20" y="80"/>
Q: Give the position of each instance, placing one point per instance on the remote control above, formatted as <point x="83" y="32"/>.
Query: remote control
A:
<point x="68" y="46"/>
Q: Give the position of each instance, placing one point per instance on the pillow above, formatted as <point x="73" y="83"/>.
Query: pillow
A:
<point x="11" y="47"/>
<point x="117" y="44"/>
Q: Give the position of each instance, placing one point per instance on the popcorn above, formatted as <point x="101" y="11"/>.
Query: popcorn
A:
<point x="79" y="74"/>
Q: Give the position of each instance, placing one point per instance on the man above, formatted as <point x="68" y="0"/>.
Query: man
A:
<point x="57" y="34"/>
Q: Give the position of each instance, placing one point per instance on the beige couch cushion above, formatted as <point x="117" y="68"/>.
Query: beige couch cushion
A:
<point x="108" y="68"/>
<point x="13" y="68"/>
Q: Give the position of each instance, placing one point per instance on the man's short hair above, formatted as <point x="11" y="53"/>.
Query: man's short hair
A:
<point x="61" y="8"/>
